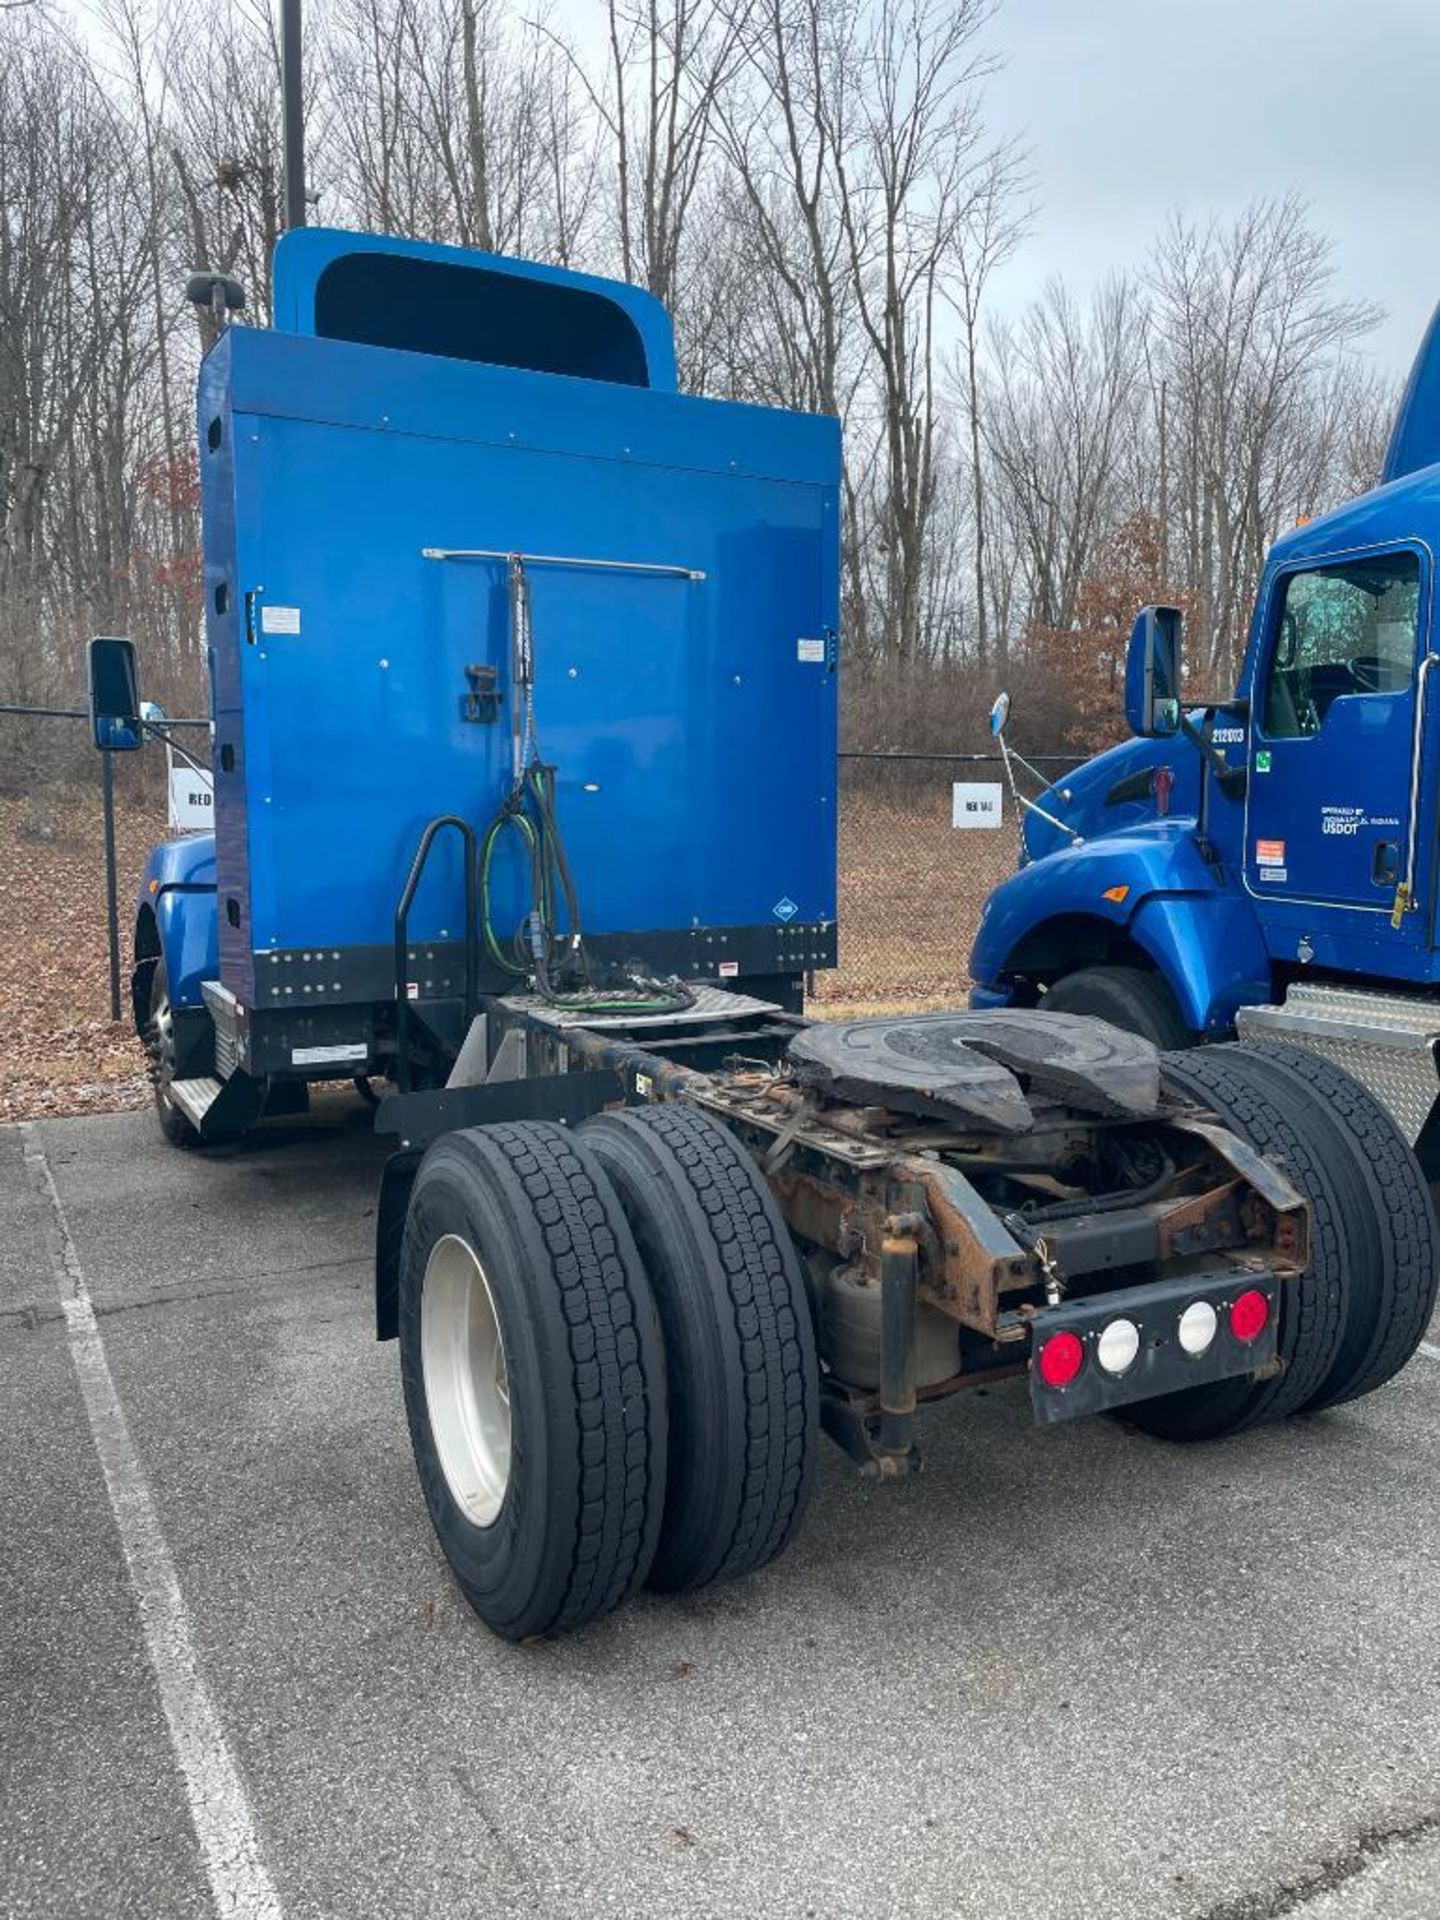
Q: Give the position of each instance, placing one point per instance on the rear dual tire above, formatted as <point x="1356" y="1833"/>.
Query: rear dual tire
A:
<point x="1360" y="1309"/>
<point x="559" y="1308"/>
<point x="739" y="1341"/>
<point x="634" y="1291"/>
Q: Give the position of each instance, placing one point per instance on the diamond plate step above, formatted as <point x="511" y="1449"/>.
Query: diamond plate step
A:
<point x="1386" y="1041"/>
<point x="195" y="1098"/>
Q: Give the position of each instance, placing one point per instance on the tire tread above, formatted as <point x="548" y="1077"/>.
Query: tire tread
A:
<point x="756" y="1284"/>
<point x="1404" y="1213"/>
<point x="566" y="1223"/>
<point x="1224" y="1079"/>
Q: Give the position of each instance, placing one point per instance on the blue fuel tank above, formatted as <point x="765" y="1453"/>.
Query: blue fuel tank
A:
<point x="416" y="416"/>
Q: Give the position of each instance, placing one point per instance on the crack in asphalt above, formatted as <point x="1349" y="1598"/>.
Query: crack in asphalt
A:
<point x="1371" y="1846"/>
<point x="32" y="1316"/>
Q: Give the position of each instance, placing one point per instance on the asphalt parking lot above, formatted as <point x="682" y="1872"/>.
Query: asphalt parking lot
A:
<point x="1068" y="1673"/>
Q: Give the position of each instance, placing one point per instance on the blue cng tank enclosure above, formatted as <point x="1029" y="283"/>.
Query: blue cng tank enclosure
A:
<point x="417" y="414"/>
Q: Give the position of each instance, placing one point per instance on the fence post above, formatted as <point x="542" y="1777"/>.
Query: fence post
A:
<point x="112" y="907"/>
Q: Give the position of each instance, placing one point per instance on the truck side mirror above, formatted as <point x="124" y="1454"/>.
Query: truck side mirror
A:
<point x="1152" y="673"/>
<point x="115" y="695"/>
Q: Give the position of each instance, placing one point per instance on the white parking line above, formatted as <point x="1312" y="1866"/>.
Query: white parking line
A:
<point x="1430" y="1352"/>
<point x="240" y="1885"/>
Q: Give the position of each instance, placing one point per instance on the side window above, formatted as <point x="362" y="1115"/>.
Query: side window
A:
<point x="1350" y="628"/>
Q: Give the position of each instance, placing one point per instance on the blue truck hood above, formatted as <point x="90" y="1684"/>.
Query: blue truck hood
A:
<point x="1112" y="793"/>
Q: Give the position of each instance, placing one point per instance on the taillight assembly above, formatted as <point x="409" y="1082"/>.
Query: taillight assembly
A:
<point x="1060" y="1359"/>
<point x="1249" y="1315"/>
<point x="1145" y="1346"/>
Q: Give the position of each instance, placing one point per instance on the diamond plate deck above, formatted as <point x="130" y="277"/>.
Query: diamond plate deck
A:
<point x="710" y="1004"/>
<point x="1386" y="1041"/>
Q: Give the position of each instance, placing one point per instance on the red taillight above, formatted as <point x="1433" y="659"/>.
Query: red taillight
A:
<point x="1060" y="1359"/>
<point x="1250" y="1315"/>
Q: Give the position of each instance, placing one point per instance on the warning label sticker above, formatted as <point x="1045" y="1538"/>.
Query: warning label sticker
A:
<point x="1269" y="853"/>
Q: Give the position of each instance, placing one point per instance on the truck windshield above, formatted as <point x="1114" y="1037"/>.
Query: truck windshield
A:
<point x="1346" y="629"/>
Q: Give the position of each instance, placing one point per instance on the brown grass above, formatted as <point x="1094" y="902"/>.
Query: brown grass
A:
<point x="911" y="888"/>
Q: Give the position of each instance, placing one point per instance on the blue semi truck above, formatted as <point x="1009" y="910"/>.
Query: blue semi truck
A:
<point x="1269" y="864"/>
<point x="524" y="677"/>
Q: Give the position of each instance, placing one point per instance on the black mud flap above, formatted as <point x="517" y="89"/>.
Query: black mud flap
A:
<point x="395" y="1184"/>
<point x="1161" y="1364"/>
<point x="567" y="1098"/>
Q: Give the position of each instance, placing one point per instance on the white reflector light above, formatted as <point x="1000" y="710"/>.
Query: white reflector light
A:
<point x="1198" y="1324"/>
<point x="1118" y="1345"/>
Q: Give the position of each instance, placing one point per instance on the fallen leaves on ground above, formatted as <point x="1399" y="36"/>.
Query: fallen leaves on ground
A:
<point x="63" y="1054"/>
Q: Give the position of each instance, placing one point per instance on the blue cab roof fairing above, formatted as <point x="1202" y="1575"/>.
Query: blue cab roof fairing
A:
<point x="1415" y="437"/>
<point x="462" y="304"/>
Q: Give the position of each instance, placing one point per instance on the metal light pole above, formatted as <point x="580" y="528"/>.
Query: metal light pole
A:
<point x="294" y="115"/>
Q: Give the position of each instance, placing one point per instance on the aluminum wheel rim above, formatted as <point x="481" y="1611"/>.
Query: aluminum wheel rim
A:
<point x="467" y="1387"/>
<point x="162" y="1055"/>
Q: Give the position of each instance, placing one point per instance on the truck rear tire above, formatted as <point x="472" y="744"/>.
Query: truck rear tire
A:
<point x="1391" y="1299"/>
<point x="1291" y="1127"/>
<point x="534" y="1377"/>
<point x="1127" y="997"/>
<point x="739" y="1340"/>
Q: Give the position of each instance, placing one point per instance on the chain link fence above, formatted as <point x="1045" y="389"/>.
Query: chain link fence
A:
<point x="923" y="840"/>
<point x="924" y="837"/>
<point x="61" y="974"/>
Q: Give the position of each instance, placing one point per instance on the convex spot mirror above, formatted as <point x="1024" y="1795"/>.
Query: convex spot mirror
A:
<point x="999" y="714"/>
<point x="1152" y="673"/>
<point x="115" y="695"/>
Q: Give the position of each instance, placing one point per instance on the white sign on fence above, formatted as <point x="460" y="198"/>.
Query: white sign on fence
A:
<point x="975" y="803"/>
<point x="192" y="799"/>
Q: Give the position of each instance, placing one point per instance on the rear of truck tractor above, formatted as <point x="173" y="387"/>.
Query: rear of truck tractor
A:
<point x="621" y="1338"/>
<point x="647" y="1231"/>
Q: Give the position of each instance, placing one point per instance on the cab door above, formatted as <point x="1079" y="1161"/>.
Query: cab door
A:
<point x="1334" y="733"/>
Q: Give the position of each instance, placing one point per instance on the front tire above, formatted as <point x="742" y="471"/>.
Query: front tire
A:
<point x="534" y="1377"/>
<point x="160" y="1055"/>
<point x="1126" y="997"/>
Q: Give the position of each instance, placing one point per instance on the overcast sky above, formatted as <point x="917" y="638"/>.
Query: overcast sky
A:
<point x="1134" y="106"/>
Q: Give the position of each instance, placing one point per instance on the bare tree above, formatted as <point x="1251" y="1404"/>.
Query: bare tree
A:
<point x="1249" y="332"/>
<point x="222" y="70"/>
<point x="910" y="162"/>
<point x="991" y="230"/>
<point x="668" y="62"/>
<point x="1059" y="409"/>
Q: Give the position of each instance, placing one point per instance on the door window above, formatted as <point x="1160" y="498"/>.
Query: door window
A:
<point x="1344" y="629"/>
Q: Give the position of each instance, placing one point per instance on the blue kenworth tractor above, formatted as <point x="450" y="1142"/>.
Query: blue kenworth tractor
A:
<point x="1266" y="865"/>
<point x="524" y="672"/>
